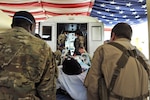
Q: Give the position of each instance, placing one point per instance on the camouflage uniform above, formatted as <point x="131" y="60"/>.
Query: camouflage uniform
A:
<point x="28" y="69"/>
<point x="57" y="54"/>
<point x="78" y="43"/>
<point x="61" y="41"/>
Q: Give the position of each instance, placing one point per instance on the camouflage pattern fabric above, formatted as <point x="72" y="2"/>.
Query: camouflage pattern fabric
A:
<point x="58" y="57"/>
<point x="79" y="42"/>
<point x="28" y="68"/>
<point x="61" y="41"/>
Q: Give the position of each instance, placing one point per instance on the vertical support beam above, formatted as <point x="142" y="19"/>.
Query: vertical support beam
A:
<point x="148" y="18"/>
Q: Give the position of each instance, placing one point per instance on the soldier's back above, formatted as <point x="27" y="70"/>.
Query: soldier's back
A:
<point x="21" y="58"/>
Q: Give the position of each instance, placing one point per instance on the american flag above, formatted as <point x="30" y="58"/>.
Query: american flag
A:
<point x="111" y="12"/>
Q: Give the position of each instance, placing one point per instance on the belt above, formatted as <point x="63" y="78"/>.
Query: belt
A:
<point x="142" y="97"/>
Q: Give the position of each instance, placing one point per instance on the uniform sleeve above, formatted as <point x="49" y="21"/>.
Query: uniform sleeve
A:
<point x="47" y="86"/>
<point x="91" y="81"/>
<point x="81" y="39"/>
<point x="145" y="59"/>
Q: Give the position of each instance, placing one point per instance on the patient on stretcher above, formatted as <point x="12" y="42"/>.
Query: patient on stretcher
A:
<point x="72" y="73"/>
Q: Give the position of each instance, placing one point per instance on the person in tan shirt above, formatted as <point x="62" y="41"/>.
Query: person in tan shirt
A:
<point x="132" y="81"/>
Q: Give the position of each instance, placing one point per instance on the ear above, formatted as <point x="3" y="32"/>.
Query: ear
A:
<point x="29" y="28"/>
<point x="112" y="37"/>
<point x="32" y="28"/>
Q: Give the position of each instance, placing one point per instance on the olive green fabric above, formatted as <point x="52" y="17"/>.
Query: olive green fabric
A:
<point x="27" y="67"/>
<point x="133" y="78"/>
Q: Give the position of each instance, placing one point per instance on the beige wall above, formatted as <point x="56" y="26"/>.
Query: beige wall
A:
<point x="5" y="21"/>
<point x="148" y="16"/>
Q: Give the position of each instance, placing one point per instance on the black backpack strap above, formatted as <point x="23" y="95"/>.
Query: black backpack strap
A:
<point x="141" y="97"/>
<point x="123" y="60"/>
<point x="117" y="45"/>
<point x="132" y="53"/>
<point x="144" y="64"/>
<point x="120" y="64"/>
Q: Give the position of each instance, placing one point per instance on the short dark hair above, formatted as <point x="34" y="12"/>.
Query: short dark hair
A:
<point x="71" y="66"/>
<point x="23" y="18"/>
<point x="78" y="32"/>
<point x="122" y="30"/>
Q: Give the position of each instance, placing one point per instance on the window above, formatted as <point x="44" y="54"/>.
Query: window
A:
<point x="96" y="33"/>
<point x="47" y="33"/>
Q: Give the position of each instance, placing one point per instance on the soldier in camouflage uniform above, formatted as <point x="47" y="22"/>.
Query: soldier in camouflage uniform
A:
<point x="27" y="66"/>
<point x="60" y="46"/>
<point x="61" y="40"/>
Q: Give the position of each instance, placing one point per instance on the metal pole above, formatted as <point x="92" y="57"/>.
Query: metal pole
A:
<point x="148" y="19"/>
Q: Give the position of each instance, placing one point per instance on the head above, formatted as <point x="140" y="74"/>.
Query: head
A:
<point x="65" y="32"/>
<point x="25" y="20"/>
<point x="121" y="30"/>
<point x="82" y="50"/>
<point x="71" y="66"/>
<point x="78" y="33"/>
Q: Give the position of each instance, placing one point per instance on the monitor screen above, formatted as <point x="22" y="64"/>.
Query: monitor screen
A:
<point x="46" y="30"/>
<point x="71" y="27"/>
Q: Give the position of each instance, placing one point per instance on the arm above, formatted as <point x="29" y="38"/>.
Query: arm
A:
<point x="145" y="59"/>
<point x="81" y="39"/>
<point x="93" y="76"/>
<point x="47" y="86"/>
